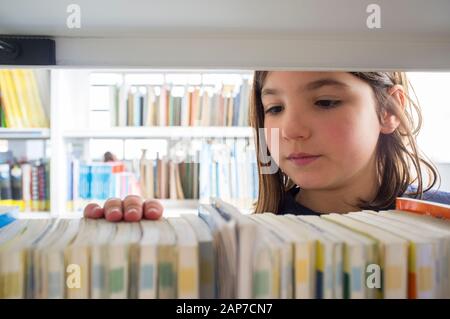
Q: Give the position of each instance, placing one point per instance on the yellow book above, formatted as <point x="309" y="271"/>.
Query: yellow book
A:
<point x="187" y="266"/>
<point x="167" y="260"/>
<point x="10" y="118"/>
<point x="325" y="252"/>
<point x="23" y="102"/>
<point x="19" y="203"/>
<point x="359" y="251"/>
<point x="36" y="106"/>
<point x="207" y="259"/>
<point x="14" y="103"/>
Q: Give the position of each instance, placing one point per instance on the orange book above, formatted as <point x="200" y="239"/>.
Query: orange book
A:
<point x="423" y="207"/>
<point x="118" y="167"/>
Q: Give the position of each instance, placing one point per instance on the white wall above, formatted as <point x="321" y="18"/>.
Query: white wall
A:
<point x="444" y="171"/>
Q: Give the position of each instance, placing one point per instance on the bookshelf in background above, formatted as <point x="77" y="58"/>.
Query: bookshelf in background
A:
<point x="24" y="134"/>
<point x="193" y="170"/>
<point x="24" y="183"/>
<point x="148" y="119"/>
<point x="55" y="122"/>
<point x="24" y="139"/>
<point x="168" y="99"/>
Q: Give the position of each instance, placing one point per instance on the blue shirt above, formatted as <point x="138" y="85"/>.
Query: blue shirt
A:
<point x="291" y="206"/>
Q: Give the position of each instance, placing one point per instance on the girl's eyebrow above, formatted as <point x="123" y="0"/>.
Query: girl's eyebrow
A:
<point x="311" y="86"/>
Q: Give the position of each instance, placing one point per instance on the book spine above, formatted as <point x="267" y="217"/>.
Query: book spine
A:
<point x="34" y="188"/>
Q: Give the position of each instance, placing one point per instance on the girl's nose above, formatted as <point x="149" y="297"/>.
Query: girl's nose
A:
<point x="294" y="126"/>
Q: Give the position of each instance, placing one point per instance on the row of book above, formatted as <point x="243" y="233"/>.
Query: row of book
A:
<point x="97" y="181"/>
<point x="227" y="171"/>
<point x="161" y="106"/>
<point x="221" y="253"/>
<point x="168" y="179"/>
<point x="20" y="100"/>
<point x="26" y="185"/>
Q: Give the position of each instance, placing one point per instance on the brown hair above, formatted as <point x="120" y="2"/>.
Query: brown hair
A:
<point x="399" y="161"/>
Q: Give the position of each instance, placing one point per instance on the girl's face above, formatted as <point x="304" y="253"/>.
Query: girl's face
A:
<point x="328" y="127"/>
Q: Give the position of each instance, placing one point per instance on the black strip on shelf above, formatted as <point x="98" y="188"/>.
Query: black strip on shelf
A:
<point x="27" y="50"/>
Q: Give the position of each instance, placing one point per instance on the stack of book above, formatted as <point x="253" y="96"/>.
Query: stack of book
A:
<point x="221" y="253"/>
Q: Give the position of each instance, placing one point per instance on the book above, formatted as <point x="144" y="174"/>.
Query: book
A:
<point x="21" y="99"/>
<point x="423" y="207"/>
<point x="7" y="215"/>
<point x="25" y="185"/>
<point x="166" y="104"/>
<point x="221" y="253"/>
<point x="391" y="257"/>
<point x="431" y="228"/>
<point x="206" y="258"/>
<point x="145" y="256"/>
<point x="188" y="259"/>
<point x="422" y="270"/>
<point x="359" y="252"/>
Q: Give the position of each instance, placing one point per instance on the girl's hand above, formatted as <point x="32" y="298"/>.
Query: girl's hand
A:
<point x="132" y="209"/>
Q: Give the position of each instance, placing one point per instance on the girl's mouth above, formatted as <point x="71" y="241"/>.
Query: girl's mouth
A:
<point x="302" y="159"/>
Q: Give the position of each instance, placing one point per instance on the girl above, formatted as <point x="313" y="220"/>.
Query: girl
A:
<point x="344" y="141"/>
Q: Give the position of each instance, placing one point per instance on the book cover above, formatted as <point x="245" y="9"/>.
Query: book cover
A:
<point x="423" y="207"/>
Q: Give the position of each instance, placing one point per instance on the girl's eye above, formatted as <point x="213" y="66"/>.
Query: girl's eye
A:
<point x="274" y="109"/>
<point x="328" y="104"/>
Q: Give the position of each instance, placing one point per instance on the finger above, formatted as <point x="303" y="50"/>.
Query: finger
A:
<point x="132" y="205"/>
<point x="153" y="209"/>
<point x="93" y="210"/>
<point x="113" y="209"/>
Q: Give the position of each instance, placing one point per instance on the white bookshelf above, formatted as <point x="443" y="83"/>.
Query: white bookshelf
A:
<point x="217" y="38"/>
<point x="310" y="35"/>
<point x="36" y="215"/>
<point x="160" y="132"/>
<point x="26" y="134"/>
<point x="69" y="121"/>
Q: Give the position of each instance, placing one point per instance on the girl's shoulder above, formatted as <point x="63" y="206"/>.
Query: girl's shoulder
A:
<point x="433" y="195"/>
<point x="290" y="206"/>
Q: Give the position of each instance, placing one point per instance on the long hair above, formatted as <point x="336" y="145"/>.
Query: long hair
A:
<point x="399" y="162"/>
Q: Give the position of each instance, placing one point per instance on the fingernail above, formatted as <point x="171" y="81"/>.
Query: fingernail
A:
<point x="115" y="210"/>
<point x="132" y="211"/>
<point x="97" y="210"/>
<point x="152" y="211"/>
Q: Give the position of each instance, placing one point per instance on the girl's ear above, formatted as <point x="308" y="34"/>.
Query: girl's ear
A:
<point x="389" y="121"/>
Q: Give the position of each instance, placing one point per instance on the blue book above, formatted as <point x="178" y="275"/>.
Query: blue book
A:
<point x="85" y="181"/>
<point x="236" y="107"/>
<point x="6" y="215"/>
